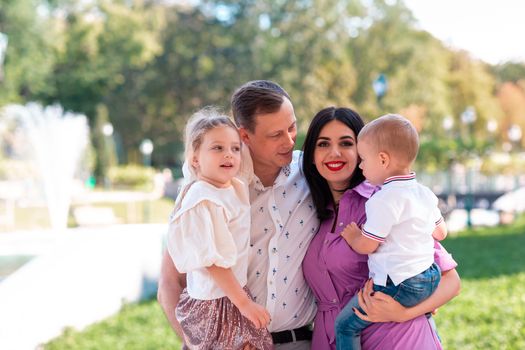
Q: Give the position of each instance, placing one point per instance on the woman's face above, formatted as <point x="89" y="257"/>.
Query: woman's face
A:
<point x="335" y="154"/>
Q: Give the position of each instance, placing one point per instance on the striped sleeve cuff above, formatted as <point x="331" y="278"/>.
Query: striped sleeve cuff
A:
<point x="372" y="236"/>
<point x="439" y="221"/>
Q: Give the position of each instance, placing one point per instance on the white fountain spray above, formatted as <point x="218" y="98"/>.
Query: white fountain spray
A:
<point x="58" y="140"/>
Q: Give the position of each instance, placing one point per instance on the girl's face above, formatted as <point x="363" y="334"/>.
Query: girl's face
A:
<point x="335" y="154"/>
<point x="218" y="159"/>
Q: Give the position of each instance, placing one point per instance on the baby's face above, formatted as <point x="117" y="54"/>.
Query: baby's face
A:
<point x="371" y="162"/>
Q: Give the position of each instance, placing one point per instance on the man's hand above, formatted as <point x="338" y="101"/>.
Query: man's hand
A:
<point x="351" y="232"/>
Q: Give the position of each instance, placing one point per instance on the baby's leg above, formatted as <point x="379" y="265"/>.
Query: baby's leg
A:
<point x="348" y="327"/>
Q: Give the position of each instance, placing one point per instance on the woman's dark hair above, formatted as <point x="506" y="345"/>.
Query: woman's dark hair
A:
<point x="319" y="188"/>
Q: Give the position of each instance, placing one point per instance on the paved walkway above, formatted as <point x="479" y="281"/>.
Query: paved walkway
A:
<point x="78" y="277"/>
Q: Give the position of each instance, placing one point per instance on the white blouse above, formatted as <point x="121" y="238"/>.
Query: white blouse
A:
<point x="210" y="226"/>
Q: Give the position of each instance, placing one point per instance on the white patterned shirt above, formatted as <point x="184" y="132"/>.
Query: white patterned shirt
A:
<point x="283" y="222"/>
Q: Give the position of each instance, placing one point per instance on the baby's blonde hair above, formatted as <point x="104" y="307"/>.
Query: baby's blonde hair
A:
<point x="199" y="124"/>
<point x="394" y="134"/>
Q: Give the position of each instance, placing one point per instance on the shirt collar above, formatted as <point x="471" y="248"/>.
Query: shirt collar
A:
<point x="366" y="189"/>
<point x="279" y="180"/>
<point x="400" y="178"/>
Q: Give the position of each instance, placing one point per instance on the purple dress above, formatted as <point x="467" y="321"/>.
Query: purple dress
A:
<point x="335" y="273"/>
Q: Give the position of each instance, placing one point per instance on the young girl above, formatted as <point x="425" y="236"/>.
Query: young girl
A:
<point x="208" y="239"/>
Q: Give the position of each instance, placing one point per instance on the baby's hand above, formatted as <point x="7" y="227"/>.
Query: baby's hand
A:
<point x="257" y="314"/>
<point x="350" y="232"/>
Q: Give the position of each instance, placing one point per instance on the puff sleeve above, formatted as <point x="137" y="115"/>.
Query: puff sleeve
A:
<point x="200" y="237"/>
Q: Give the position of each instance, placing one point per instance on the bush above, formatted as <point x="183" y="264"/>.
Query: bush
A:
<point x="132" y="176"/>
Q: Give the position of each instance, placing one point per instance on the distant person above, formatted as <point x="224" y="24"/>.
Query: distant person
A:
<point x="209" y="239"/>
<point x="402" y="221"/>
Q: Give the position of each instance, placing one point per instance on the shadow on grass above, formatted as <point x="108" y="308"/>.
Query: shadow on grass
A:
<point x="489" y="253"/>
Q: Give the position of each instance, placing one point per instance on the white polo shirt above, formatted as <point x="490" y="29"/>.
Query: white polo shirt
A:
<point x="284" y="221"/>
<point x="401" y="216"/>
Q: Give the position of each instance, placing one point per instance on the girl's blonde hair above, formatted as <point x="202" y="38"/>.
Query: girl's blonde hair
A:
<point x="198" y="125"/>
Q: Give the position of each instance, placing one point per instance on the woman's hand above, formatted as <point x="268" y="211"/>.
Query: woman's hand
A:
<point x="379" y="307"/>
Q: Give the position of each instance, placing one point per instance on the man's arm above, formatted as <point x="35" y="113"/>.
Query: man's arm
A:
<point x="171" y="285"/>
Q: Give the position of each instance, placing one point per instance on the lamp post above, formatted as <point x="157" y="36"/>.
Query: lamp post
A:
<point x="468" y="117"/>
<point x="107" y="131"/>
<point x="146" y="148"/>
<point x="514" y="133"/>
<point x="448" y="124"/>
<point x="380" y="86"/>
<point x="3" y="49"/>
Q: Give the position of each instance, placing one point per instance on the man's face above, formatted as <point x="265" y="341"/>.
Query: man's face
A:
<point x="272" y="142"/>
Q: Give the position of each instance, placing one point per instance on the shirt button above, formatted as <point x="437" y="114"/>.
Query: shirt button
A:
<point x="334" y="301"/>
<point x="340" y="224"/>
<point x="270" y="282"/>
<point x="326" y="241"/>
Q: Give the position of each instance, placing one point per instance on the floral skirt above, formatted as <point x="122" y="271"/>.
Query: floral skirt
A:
<point x="218" y="324"/>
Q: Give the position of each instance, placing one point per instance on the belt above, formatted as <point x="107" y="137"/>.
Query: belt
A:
<point x="293" y="335"/>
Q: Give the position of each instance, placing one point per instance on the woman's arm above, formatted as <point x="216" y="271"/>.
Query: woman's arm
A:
<point x="226" y="280"/>
<point x="171" y="285"/>
<point x="380" y="307"/>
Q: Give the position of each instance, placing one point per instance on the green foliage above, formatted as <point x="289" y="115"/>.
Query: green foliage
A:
<point x="131" y="177"/>
<point x="151" y="64"/>
<point x="29" y="59"/>
<point x="510" y="71"/>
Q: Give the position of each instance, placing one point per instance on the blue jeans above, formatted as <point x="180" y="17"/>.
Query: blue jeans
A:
<point x="410" y="292"/>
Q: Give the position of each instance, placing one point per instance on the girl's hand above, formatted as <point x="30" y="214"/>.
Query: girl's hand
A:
<point x="257" y="314"/>
<point x="379" y="307"/>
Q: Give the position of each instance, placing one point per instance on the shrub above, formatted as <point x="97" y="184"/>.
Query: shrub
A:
<point x="132" y="176"/>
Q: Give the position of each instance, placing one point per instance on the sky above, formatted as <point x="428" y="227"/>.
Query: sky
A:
<point x="491" y="30"/>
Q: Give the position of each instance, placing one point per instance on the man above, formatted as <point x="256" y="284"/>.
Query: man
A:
<point x="282" y="213"/>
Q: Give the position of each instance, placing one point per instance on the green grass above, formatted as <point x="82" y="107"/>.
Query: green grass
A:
<point x="490" y="311"/>
<point x="137" y="327"/>
<point x="488" y="314"/>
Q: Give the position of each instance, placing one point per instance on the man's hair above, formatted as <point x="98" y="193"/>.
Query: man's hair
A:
<point x="254" y="98"/>
<point x="394" y="134"/>
<point x="199" y="124"/>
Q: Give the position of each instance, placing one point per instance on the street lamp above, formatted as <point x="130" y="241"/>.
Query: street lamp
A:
<point x="146" y="148"/>
<point x="468" y="117"/>
<point x="380" y="87"/>
<point x="107" y="129"/>
<point x="514" y="133"/>
<point x="3" y="49"/>
<point x="448" y="124"/>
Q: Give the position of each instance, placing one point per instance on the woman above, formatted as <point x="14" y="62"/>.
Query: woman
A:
<point x="332" y="269"/>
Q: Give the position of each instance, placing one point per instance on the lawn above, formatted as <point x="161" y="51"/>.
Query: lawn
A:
<point x="488" y="314"/>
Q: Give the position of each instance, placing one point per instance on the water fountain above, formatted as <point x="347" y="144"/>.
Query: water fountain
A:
<point x="58" y="139"/>
<point x="73" y="279"/>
